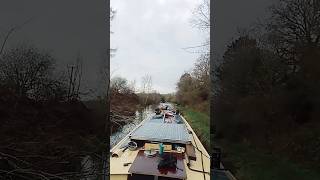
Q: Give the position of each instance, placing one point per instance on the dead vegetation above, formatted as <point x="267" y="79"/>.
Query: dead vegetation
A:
<point x="123" y="107"/>
<point x="45" y="129"/>
<point x="44" y="140"/>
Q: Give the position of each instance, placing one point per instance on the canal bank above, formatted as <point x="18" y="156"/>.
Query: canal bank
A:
<point x="130" y="123"/>
<point x="200" y="122"/>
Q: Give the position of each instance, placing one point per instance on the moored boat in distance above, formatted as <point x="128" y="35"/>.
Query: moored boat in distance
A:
<point x="164" y="147"/>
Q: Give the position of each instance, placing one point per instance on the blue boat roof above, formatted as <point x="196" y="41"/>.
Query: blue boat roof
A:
<point x="162" y="132"/>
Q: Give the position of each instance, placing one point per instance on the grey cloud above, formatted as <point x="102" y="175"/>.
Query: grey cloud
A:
<point x="150" y="36"/>
<point x="64" y="28"/>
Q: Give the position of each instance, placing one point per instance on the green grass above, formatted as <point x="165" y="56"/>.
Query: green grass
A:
<point x="200" y="123"/>
<point x="250" y="164"/>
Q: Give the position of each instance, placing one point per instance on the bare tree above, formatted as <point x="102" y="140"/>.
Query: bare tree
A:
<point x="23" y="68"/>
<point x="185" y="89"/>
<point x="119" y="84"/>
<point x="132" y="85"/>
<point x="146" y="83"/>
<point x="112" y="16"/>
<point x="195" y="86"/>
<point x="201" y="18"/>
<point x="75" y="77"/>
<point x="110" y="52"/>
<point x="11" y="31"/>
<point x="28" y="73"/>
<point x="294" y="25"/>
<point x="201" y="69"/>
<point x="146" y="86"/>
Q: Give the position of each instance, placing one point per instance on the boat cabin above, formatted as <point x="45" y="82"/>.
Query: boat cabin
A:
<point x="161" y="147"/>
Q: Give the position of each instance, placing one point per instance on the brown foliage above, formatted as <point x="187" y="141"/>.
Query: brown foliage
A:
<point x="51" y="137"/>
<point x="268" y="95"/>
<point x="194" y="88"/>
<point x="28" y="72"/>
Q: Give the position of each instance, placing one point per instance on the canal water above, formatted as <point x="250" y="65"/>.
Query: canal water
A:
<point x="90" y="165"/>
<point x="122" y="132"/>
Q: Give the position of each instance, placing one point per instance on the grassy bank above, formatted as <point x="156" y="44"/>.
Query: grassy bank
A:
<point x="247" y="163"/>
<point x="200" y="122"/>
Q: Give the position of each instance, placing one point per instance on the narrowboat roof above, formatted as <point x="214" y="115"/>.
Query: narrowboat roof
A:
<point x="174" y="131"/>
<point x="162" y="132"/>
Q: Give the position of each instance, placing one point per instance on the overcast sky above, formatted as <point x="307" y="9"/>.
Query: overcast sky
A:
<point x="150" y="36"/>
<point x="230" y="15"/>
<point x="63" y="28"/>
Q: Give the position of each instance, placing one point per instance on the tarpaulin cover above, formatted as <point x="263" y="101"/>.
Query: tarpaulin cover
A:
<point x="162" y="132"/>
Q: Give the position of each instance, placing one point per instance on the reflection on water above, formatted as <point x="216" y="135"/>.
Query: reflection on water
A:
<point x="122" y="132"/>
<point x="90" y="166"/>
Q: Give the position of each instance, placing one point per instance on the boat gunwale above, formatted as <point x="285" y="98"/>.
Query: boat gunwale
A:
<point x="128" y="135"/>
<point x="195" y="142"/>
<point x="149" y="118"/>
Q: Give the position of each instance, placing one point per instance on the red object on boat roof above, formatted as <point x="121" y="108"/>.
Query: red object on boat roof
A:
<point x="168" y="114"/>
<point x="149" y="166"/>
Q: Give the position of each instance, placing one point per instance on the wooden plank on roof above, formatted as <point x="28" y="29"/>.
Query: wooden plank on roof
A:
<point x="155" y="146"/>
<point x="191" y="152"/>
